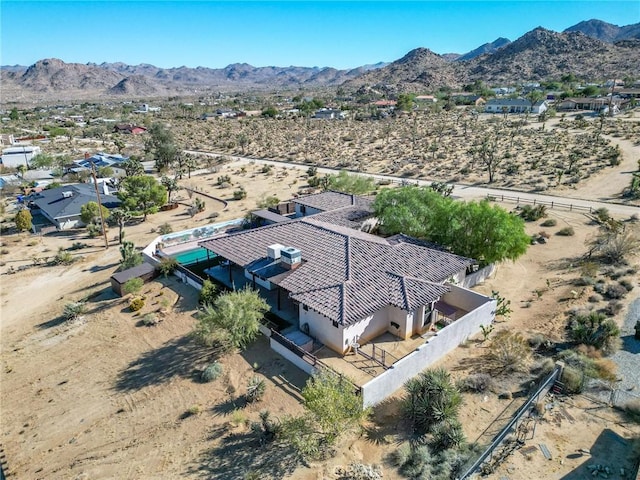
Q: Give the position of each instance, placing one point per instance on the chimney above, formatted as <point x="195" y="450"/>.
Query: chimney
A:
<point x="291" y="258"/>
<point x="87" y="156"/>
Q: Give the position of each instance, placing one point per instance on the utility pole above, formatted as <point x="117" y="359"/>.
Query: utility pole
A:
<point x="95" y="184"/>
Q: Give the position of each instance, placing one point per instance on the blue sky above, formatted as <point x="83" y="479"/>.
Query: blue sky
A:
<point x="339" y="34"/>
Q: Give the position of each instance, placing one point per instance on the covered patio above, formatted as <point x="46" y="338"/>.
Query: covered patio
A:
<point x="232" y="276"/>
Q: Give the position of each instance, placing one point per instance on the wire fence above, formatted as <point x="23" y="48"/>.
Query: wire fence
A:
<point x="536" y="201"/>
<point x="519" y="417"/>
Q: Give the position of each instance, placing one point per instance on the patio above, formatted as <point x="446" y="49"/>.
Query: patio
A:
<point x="232" y="277"/>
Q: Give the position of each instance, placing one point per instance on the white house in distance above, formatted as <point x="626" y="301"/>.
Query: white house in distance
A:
<point x="15" y="156"/>
<point x="515" y="105"/>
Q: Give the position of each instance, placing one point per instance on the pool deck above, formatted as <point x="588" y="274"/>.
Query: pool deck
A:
<point x="181" y="248"/>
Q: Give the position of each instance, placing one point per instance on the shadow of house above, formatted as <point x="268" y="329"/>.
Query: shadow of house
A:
<point x="176" y="358"/>
<point x="610" y="450"/>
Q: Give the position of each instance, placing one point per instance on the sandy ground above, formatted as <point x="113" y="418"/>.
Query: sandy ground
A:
<point x="108" y="398"/>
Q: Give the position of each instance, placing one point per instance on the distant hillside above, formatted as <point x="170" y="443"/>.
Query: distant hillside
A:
<point x="606" y="32"/>
<point x="484" y="49"/>
<point x="543" y="54"/>
<point x="537" y="55"/>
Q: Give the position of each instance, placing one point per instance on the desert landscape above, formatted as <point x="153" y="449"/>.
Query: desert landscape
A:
<point x="109" y="397"/>
<point x="98" y="385"/>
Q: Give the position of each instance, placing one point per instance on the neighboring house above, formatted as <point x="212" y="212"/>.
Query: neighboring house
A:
<point x="515" y="105"/>
<point x="100" y="160"/>
<point x="61" y="206"/>
<point x="628" y="93"/>
<point x="330" y="114"/>
<point x="464" y="98"/>
<point x="145" y="108"/>
<point x="385" y="104"/>
<point x="504" y="90"/>
<point x="426" y="99"/>
<point x="129" y="129"/>
<point x="223" y="113"/>
<point x="13" y="157"/>
<point x="145" y="271"/>
<point x="7" y="139"/>
<point x="7" y="180"/>
<point x="596" y="104"/>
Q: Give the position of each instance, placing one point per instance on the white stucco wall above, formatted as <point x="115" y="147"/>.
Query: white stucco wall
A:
<point x="366" y="329"/>
<point x="263" y="283"/>
<point x="443" y="342"/>
<point x="321" y="328"/>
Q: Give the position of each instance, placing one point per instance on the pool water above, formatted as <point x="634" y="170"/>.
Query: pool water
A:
<point x="194" y="256"/>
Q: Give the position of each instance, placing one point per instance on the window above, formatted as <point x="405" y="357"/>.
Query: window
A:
<point x="305" y="308"/>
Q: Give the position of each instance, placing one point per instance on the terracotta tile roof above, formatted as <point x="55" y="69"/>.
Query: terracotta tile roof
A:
<point x="346" y="274"/>
<point x="333" y="200"/>
<point x="351" y="217"/>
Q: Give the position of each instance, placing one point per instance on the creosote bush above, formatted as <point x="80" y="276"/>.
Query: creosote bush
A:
<point x="477" y="382"/>
<point x="550" y="222"/>
<point x="208" y="293"/>
<point x="133" y="285"/>
<point x="508" y="352"/>
<point x="566" y="232"/>
<point x="150" y="320"/>
<point x="73" y="310"/>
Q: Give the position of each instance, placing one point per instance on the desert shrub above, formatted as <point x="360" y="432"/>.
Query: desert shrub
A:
<point x="573" y="380"/>
<point x="532" y="213"/>
<point x="133" y="285"/>
<point x="551" y="222"/>
<point x="447" y="434"/>
<point x="632" y="407"/>
<point x="192" y="410"/>
<point x="477" y="382"/>
<point x="240" y="194"/>
<point x="150" y="320"/>
<point x="508" y="352"/>
<point x="615" y="292"/>
<point x="431" y="398"/>
<point x="255" y="389"/>
<point x="73" y="310"/>
<point x="208" y="293"/>
<point x="77" y="246"/>
<point x="223" y="179"/>
<point x="266" y="429"/>
<point x="167" y="266"/>
<point x="136" y="303"/>
<point x="543" y="367"/>
<point x="566" y="232"/>
<point x="594" y="329"/>
<point x="595" y="298"/>
<point x="211" y="372"/>
<point x="417" y="463"/>
<point x="165" y="228"/>
<point x="602" y="214"/>
<point x="626" y="284"/>
<point x="540" y="342"/>
<point x="615" y="245"/>
<point x="584" y="281"/>
<point x="613" y="308"/>
<point x="62" y="258"/>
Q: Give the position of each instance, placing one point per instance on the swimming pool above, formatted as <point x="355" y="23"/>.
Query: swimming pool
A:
<point x="189" y="257"/>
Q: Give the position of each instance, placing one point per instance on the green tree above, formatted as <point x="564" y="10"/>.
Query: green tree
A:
<point x="476" y="230"/>
<point x="167" y="266"/>
<point x="132" y="167"/>
<point x="119" y="143"/>
<point x="232" y="321"/>
<point x="90" y="213"/>
<point x="161" y="146"/>
<point x="14" y="115"/>
<point x="130" y="257"/>
<point x="171" y="184"/>
<point x="348" y="183"/>
<point x="269" y="112"/>
<point x="208" y="293"/>
<point x="331" y="408"/>
<point x="142" y="195"/>
<point x="120" y="217"/>
<point x="267" y="201"/>
<point x="42" y="160"/>
<point x="24" y="220"/>
<point x="405" y="102"/>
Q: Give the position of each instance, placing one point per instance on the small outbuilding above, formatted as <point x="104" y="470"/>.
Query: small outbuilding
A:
<point x="145" y="271"/>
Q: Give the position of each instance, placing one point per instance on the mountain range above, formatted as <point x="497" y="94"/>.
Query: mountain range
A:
<point x="591" y="50"/>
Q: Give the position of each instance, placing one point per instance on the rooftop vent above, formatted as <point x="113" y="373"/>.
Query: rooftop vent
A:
<point x="273" y="251"/>
<point x="67" y="194"/>
<point x="291" y="257"/>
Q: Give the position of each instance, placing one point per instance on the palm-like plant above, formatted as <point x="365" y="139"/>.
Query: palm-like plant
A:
<point x="594" y="329"/>
<point x="431" y="398"/>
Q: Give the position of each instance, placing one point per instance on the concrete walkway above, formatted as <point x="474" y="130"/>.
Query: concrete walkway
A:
<point x="466" y="192"/>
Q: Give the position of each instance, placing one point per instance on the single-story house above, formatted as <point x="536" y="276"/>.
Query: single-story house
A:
<point x="19" y="155"/>
<point x="100" y="160"/>
<point x="144" y="271"/>
<point x="11" y="179"/>
<point x="592" y="103"/>
<point x="385" y="104"/>
<point x="515" y="105"/>
<point x="330" y="114"/>
<point x="61" y="206"/>
<point x="347" y="286"/>
<point x="129" y="129"/>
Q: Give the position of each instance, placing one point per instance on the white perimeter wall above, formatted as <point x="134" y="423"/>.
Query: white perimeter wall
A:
<point x="442" y="343"/>
<point x="292" y="357"/>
